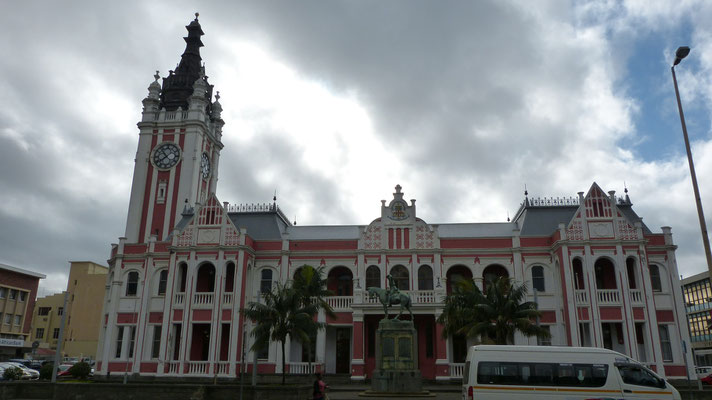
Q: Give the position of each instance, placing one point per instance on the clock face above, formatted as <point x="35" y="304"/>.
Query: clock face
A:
<point x="166" y="155"/>
<point x="205" y="166"/>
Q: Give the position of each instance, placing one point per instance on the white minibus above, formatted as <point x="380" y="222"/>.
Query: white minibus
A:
<point x="549" y="372"/>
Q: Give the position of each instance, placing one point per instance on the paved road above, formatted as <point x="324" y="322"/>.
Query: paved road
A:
<point x="352" y="393"/>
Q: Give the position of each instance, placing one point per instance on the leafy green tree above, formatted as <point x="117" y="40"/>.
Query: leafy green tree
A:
<point x="310" y="285"/>
<point x="12" y="374"/>
<point x="46" y="371"/>
<point x="282" y="313"/>
<point x="80" y="370"/>
<point x="496" y="314"/>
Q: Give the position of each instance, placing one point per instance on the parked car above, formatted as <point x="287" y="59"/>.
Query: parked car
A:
<point x="27" y="373"/>
<point x="6" y="365"/>
<point x="2" y="372"/>
<point x="63" y="370"/>
<point x="703" y="372"/>
<point x="707" y="380"/>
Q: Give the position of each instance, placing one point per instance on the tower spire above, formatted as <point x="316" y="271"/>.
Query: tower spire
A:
<point x="178" y="85"/>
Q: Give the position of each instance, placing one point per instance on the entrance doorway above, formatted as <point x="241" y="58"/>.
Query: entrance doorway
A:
<point x="343" y="350"/>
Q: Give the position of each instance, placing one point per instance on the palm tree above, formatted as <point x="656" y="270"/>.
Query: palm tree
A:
<point x="496" y="314"/>
<point x="309" y="282"/>
<point x="282" y="314"/>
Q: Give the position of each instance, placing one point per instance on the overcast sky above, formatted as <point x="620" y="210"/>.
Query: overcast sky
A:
<point x="333" y="103"/>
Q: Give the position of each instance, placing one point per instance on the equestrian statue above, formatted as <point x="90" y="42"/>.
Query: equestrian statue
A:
<point x="390" y="296"/>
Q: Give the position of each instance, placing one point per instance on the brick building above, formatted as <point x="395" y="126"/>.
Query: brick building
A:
<point x="188" y="263"/>
<point x="18" y="290"/>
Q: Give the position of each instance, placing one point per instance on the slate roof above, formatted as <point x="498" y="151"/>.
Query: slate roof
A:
<point x="544" y="221"/>
<point x="260" y="226"/>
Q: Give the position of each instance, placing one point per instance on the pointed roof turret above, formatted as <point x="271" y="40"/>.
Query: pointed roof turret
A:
<point x="178" y="86"/>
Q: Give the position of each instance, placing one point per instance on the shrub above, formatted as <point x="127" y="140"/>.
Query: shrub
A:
<point x="46" y="371"/>
<point x="80" y="370"/>
<point x="12" y="374"/>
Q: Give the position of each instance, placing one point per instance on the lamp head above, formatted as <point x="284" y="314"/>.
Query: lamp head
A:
<point x="681" y="53"/>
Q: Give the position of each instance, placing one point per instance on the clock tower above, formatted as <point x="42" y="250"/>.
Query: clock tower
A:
<point x="179" y="146"/>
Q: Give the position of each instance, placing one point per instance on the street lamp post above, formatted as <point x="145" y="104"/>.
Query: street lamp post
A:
<point x="681" y="53"/>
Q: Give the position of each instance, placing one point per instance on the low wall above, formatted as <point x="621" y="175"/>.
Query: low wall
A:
<point x="153" y="391"/>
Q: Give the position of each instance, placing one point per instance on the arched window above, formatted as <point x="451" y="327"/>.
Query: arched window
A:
<point x="425" y="278"/>
<point x="605" y="274"/>
<point x="206" y="279"/>
<point x="373" y="276"/>
<point x="456" y="274"/>
<point x="162" y="280"/>
<point x="630" y="268"/>
<point x="266" y="280"/>
<point x="401" y="277"/>
<point x="491" y="273"/>
<point x="340" y="281"/>
<point x="132" y="284"/>
<point x="229" y="277"/>
<point x="655" y="278"/>
<point x="578" y="274"/>
<point x="538" y="283"/>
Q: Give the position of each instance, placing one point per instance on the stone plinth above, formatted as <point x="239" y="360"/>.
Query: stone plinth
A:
<point x="396" y="358"/>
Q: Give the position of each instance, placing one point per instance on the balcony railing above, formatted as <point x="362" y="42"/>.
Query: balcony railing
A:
<point x="457" y="370"/>
<point x="636" y="297"/>
<point x="172" y="367"/>
<point x="581" y="297"/>
<point x="416" y="296"/>
<point x="303" y="368"/>
<point x="198" y="367"/>
<point x="179" y="299"/>
<point x="227" y="298"/>
<point x="203" y="299"/>
<point x="340" y="303"/>
<point x="609" y="296"/>
<point x="222" y="368"/>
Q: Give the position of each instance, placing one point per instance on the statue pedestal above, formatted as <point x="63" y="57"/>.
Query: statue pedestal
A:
<point x="396" y="358"/>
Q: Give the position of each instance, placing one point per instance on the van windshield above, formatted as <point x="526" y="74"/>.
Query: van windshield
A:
<point x="542" y="374"/>
<point x="640" y="376"/>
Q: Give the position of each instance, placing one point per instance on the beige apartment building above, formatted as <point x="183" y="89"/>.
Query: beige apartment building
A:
<point x="85" y="293"/>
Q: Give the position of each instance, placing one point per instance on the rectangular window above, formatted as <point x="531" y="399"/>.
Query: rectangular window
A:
<point x="18" y="319"/>
<point x="3" y="292"/>
<point x="8" y="319"/>
<point x="23" y="295"/>
<point x="547" y="341"/>
<point x="176" y="341"/>
<point x="119" y="341"/>
<point x="162" y="281"/>
<point x="132" y="341"/>
<point x="13" y="294"/>
<point x="665" y="345"/>
<point x="39" y="334"/>
<point x="541" y="374"/>
<point x="43" y="310"/>
<point x="60" y="311"/>
<point x="55" y="333"/>
<point x="156" y="348"/>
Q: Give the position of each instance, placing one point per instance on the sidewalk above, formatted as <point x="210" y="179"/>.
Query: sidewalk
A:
<point x="351" y="392"/>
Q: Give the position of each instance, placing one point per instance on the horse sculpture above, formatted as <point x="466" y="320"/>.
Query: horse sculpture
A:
<point x="387" y="299"/>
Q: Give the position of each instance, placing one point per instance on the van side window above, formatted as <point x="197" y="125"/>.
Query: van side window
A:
<point x="542" y="374"/>
<point x="638" y="376"/>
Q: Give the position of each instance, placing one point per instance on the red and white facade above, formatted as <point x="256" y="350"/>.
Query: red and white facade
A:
<point x="188" y="263"/>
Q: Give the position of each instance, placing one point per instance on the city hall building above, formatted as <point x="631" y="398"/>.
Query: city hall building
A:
<point x="188" y="263"/>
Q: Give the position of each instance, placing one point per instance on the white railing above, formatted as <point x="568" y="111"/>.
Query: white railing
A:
<point x="338" y="303"/>
<point x="581" y="296"/>
<point x="303" y="368"/>
<point x="179" y="299"/>
<point x="227" y="298"/>
<point x="457" y="370"/>
<point x="416" y="296"/>
<point x="422" y="296"/>
<point x="198" y="367"/>
<point x="203" y="299"/>
<point x="609" y="296"/>
<point x="636" y="296"/>
<point x="222" y="368"/>
<point x="173" y="367"/>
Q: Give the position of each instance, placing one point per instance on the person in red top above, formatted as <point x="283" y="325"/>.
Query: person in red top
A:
<point x="320" y="388"/>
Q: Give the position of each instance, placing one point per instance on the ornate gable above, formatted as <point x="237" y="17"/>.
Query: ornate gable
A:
<point x="207" y="225"/>
<point x="599" y="218"/>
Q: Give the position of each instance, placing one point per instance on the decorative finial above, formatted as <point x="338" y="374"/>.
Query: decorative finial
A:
<point x="625" y="188"/>
<point x="507" y="216"/>
<point x="525" y="190"/>
<point x="197" y="15"/>
<point x="217" y="95"/>
<point x="275" y="195"/>
<point x="157" y="76"/>
<point x="295" y="220"/>
<point x="398" y="188"/>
